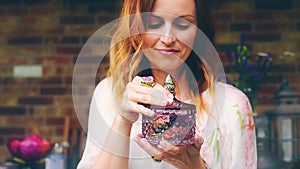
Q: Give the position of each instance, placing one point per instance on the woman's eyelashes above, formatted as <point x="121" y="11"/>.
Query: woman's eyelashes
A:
<point x="180" y="24"/>
<point x="155" y="25"/>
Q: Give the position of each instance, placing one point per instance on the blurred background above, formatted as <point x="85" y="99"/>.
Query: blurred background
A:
<point x="41" y="39"/>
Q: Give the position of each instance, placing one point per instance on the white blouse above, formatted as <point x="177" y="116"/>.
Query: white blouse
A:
<point x="228" y="130"/>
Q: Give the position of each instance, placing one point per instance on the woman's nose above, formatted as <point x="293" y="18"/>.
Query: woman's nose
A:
<point x="167" y="39"/>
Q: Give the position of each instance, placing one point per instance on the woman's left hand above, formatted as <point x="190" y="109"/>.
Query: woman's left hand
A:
<point x="183" y="157"/>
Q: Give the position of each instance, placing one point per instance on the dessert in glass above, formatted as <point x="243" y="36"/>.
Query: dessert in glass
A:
<point x="174" y="123"/>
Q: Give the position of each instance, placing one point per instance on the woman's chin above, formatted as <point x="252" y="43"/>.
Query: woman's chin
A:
<point x="168" y="66"/>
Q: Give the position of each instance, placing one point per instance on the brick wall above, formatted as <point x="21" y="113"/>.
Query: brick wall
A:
<point x="269" y="26"/>
<point x="51" y="34"/>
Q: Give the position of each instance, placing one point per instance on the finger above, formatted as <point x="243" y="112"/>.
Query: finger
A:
<point x="163" y="89"/>
<point x="150" y="149"/>
<point x="137" y="80"/>
<point x="194" y="149"/>
<point x="176" y="162"/>
<point x="139" y="98"/>
<point x="138" y="88"/>
<point x="198" y="141"/>
<point x="159" y="98"/>
<point x="166" y="93"/>
<point x="169" y="148"/>
<point x="138" y="136"/>
<point x="148" y="95"/>
<point x="142" y="110"/>
<point x="153" y="99"/>
<point x="158" y="92"/>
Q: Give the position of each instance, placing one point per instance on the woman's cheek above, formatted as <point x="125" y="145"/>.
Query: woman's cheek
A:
<point x="187" y="37"/>
<point x="149" y="40"/>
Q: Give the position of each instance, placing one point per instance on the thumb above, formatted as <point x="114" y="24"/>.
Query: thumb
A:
<point x="198" y="141"/>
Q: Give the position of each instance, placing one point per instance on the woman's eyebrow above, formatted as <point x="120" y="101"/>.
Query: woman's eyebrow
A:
<point x="187" y="16"/>
<point x="184" y="16"/>
<point x="155" y="16"/>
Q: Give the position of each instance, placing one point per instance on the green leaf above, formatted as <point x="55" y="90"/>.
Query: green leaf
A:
<point x="239" y="113"/>
<point x="242" y="123"/>
<point x="243" y="51"/>
<point x="250" y="114"/>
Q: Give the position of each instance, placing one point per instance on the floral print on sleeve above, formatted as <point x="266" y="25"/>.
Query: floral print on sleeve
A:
<point x="248" y="133"/>
<point x="246" y="117"/>
<point x="232" y="144"/>
<point x="210" y="149"/>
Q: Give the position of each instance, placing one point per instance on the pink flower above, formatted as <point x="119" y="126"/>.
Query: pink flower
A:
<point x="250" y="126"/>
<point x="14" y="146"/>
<point x="250" y="155"/>
<point x="36" y="138"/>
<point x="29" y="149"/>
<point x="148" y="79"/>
<point x="44" y="146"/>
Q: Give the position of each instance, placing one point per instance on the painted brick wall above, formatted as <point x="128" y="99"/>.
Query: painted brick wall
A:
<point x="48" y="33"/>
<point x="269" y="26"/>
<point x="51" y="33"/>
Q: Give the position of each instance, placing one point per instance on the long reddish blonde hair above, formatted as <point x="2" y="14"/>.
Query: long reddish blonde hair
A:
<point x="126" y="55"/>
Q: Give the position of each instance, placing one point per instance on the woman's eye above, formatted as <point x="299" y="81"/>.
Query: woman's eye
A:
<point x="154" y="26"/>
<point x="182" y="26"/>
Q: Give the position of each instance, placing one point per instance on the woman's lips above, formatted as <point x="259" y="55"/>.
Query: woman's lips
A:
<point x="168" y="51"/>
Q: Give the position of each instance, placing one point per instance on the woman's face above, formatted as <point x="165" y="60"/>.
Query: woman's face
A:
<point x="170" y="33"/>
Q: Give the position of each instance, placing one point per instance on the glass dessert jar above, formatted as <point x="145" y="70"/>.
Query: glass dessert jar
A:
<point x="174" y="123"/>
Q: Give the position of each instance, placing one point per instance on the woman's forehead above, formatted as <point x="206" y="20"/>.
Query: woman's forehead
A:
<point x="175" y="7"/>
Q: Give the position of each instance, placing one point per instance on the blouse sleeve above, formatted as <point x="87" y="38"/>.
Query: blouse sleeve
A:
<point x="101" y="115"/>
<point x="229" y="133"/>
<point x="89" y="156"/>
<point x="238" y="132"/>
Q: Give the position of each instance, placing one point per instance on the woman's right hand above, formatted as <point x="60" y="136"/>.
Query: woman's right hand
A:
<point x="137" y="94"/>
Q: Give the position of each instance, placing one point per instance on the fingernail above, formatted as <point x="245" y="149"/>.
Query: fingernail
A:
<point x="159" y="146"/>
<point x="143" y="141"/>
<point x="164" y="103"/>
<point x="169" y="101"/>
<point x="151" y="113"/>
<point x="199" y="138"/>
<point x="162" y="143"/>
<point x="136" y="139"/>
<point x="170" y="96"/>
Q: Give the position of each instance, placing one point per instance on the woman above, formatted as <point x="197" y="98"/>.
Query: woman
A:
<point x="225" y="132"/>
